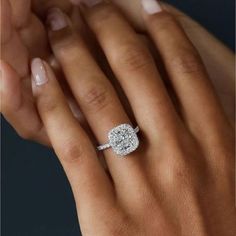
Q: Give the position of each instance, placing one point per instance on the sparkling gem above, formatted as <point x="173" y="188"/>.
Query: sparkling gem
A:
<point x="123" y="139"/>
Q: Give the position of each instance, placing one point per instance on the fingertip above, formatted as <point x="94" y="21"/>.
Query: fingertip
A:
<point x="57" y="19"/>
<point x="39" y="75"/>
<point x="43" y="78"/>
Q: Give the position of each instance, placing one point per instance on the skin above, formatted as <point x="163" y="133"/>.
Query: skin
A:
<point x="25" y="33"/>
<point x="181" y="179"/>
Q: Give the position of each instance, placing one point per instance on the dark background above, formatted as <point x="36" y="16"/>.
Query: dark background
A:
<point x="36" y="197"/>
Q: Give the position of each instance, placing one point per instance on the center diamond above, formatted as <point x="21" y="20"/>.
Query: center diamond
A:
<point x="123" y="139"/>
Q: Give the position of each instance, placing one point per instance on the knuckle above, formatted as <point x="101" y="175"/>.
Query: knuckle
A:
<point x="9" y="106"/>
<point x="95" y="97"/>
<point x="223" y="159"/>
<point x="148" y="200"/>
<point x="178" y="174"/>
<point x="163" y="22"/>
<point x="122" y="226"/>
<point x="29" y="132"/>
<point x="47" y="105"/>
<point x="187" y="61"/>
<point x="102" y="15"/>
<point x="65" y="43"/>
<point x="117" y="230"/>
<point x="72" y="152"/>
<point x="25" y="134"/>
<point x="134" y="58"/>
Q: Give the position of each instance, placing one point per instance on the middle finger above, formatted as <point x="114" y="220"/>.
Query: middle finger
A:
<point x="93" y="91"/>
<point x="134" y="68"/>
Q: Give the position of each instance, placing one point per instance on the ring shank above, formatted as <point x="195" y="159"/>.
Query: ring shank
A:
<point x="103" y="147"/>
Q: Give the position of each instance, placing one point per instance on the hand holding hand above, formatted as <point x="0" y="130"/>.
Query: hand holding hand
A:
<point x="23" y="36"/>
<point x="180" y="180"/>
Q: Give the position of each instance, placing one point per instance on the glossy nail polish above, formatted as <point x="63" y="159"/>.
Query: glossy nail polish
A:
<point x="56" y="19"/>
<point x="39" y="72"/>
<point x="151" y="6"/>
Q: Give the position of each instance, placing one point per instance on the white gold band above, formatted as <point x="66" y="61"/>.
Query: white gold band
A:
<point x="104" y="147"/>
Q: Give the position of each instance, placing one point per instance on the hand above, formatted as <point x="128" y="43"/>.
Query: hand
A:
<point x="180" y="180"/>
<point x="23" y="37"/>
<point x="26" y="35"/>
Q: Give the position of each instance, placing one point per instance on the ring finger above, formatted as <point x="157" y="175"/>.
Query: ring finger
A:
<point x="93" y="91"/>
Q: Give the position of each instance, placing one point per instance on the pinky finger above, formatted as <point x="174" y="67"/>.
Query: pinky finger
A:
<point x="18" y="107"/>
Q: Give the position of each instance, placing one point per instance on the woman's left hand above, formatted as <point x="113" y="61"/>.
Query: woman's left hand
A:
<point x="180" y="180"/>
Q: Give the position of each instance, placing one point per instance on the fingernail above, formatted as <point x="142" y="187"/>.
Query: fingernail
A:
<point x="39" y="72"/>
<point x="90" y="3"/>
<point x="151" y="6"/>
<point x="56" y="19"/>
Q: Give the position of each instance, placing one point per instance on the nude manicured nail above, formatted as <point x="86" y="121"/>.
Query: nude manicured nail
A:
<point x="56" y="19"/>
<point x="151" y="6"/>
<point x="39" y="72"/>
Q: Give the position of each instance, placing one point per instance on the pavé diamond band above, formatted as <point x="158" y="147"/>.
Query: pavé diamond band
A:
<point x="123" y="140"/>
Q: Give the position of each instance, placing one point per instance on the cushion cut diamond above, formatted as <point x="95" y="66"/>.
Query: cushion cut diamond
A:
<point x="123" y="139"/>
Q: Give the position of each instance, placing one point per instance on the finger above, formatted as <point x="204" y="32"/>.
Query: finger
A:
<point x="18" y="108"/>
<point x="11" y="42"/>
<point x="93" y="91"/>
<point x="89" y="182"/>
<point x="199" y="104"/>
<point x="218" y="68"/>
<point x="34" y="37"/>
<point x="135" y="69"/>
<point x="40" y="7"/>
<point x="5" y="21"/>
<point x="20" y="12"/>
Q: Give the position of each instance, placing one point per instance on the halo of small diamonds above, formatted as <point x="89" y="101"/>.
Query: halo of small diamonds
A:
<point x="123" y="139"/>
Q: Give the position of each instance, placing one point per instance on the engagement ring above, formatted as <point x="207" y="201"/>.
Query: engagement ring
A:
<point x="123" y="140"/>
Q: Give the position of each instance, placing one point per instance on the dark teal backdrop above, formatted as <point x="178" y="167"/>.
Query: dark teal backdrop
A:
<point x="36" y="197"/>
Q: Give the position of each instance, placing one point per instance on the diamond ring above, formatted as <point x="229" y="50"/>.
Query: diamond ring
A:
<point x="123" y="140"/>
